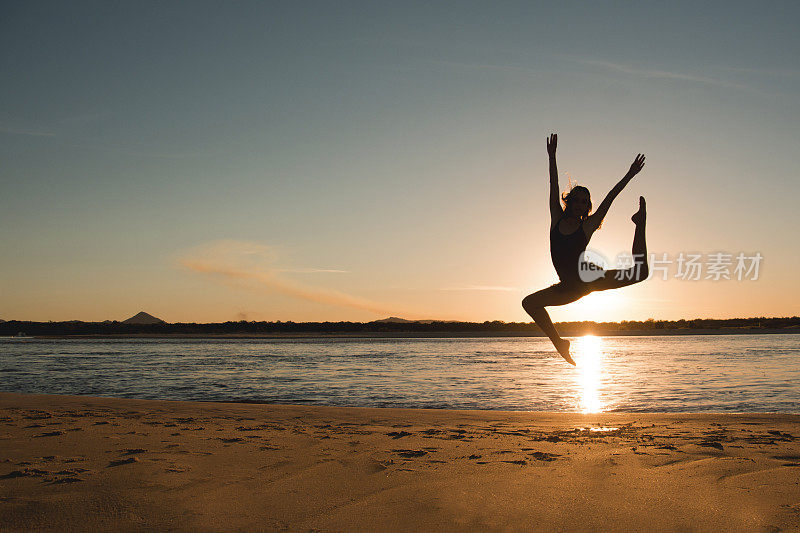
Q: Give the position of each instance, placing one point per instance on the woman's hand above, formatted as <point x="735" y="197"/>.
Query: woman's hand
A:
<point x="551" y="144"/>
<point x="636" y="166"/>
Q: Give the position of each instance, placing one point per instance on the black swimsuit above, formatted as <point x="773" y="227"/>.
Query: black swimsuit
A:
<point x="565" y="251"/>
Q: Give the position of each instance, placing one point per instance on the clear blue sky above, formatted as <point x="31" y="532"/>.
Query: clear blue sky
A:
<point x="347" y="161"/>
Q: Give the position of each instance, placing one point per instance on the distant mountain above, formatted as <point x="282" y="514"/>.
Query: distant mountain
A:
<point x="398" y="320"/>
<point x="395" y="320"/>
<point x="143" y="318"/>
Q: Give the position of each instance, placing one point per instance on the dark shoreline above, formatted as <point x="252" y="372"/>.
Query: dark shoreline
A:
<point x="424" y="334"/>
<point x="149" y="326"/>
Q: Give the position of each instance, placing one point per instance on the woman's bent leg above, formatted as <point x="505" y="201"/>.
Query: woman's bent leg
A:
<point x="534" y="304"/>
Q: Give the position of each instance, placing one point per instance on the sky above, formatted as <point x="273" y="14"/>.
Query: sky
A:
<point x="213" y="161"/>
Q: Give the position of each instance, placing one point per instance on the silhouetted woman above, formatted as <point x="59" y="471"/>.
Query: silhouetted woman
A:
<point x="571" y="228"/>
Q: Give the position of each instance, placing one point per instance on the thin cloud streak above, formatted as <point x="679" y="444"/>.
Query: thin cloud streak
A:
<point x="662" y="74"/>
<point x="485" y="66"/>
<point x="780" y="73"/>
<point x="96" y="143"/>
<point x="26" y="133"/>
<point x="236" y="261"/>
<point x="482" y="288"/>
<point x="312" y="271"/>
<point x="617" y="67"/>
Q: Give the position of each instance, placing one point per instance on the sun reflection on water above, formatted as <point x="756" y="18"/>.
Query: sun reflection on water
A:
<point x="588" y="354"/>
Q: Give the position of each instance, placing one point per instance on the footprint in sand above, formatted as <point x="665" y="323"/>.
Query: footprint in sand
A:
<point x="120" y="462"/>
<point x="784" y="437"/>
<point x="792" y="460"/>
<point x="378" y="466"/>
<point x="410" y="453"/>
<point x="133" y="451"/>
<point x="66" y="480"/>
<point x="544" y="456"/>
<point x="49" y="434"/>
<point x="551" y="438"/>
<point x="14" y="474"/>
<point x="42" y="416"/>
<point x="67" y="476"/>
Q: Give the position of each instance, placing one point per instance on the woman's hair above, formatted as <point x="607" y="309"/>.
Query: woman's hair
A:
<point x="567" y="198"/>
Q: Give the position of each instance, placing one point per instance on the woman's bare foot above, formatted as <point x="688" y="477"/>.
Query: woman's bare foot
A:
<point x="562" y="345"/>
<point x="640" y="216"/>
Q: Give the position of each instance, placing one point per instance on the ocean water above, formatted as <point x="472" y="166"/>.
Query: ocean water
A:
<point x="693" y="373"/>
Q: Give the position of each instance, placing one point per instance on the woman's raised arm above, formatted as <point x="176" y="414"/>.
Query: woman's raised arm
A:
<point x="555" y="201"/>
<point x="597" y="217"/>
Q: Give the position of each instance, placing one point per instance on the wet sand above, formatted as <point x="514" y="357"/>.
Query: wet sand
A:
<point x="84" y="463"/>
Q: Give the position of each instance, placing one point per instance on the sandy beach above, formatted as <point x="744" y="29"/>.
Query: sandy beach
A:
<point x="85" y="463"/>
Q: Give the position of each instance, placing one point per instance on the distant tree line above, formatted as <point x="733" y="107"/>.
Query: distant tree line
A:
<point x="423" y="328"/>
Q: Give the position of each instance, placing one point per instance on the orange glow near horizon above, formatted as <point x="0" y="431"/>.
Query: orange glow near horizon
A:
<point x="597" y="306"/>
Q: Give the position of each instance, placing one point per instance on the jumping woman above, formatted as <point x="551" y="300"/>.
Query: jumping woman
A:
<point x="571" y="227"/>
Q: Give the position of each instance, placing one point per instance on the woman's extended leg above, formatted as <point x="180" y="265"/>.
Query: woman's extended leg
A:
<point x="614" y="279"/>
<point x="535" y="304"/>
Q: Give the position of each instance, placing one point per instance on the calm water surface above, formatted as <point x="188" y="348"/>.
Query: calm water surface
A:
<point x="696" y="373"/>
